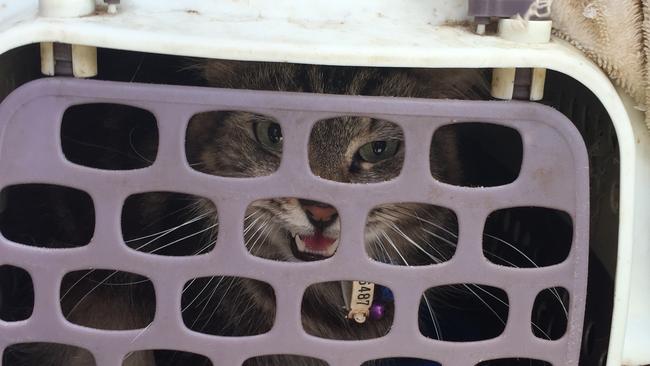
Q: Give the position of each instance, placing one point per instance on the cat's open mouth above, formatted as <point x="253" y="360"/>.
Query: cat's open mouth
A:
<point x="313" y="247"/>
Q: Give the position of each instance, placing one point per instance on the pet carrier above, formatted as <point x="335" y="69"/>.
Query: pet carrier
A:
<point x="583" y="153"/>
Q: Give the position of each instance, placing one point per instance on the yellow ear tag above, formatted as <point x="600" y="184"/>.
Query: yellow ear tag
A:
<point x="361" y="300"/>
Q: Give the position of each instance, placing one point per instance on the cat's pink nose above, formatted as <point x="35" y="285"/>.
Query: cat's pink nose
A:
<point x="319" y="212"/>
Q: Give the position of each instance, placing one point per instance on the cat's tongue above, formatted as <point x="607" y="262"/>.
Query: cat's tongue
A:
<point x="317" y="242"/>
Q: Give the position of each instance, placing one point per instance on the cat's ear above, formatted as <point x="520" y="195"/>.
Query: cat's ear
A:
<point x="452" y="83"/>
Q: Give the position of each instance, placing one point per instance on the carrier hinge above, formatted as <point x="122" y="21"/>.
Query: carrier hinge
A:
<point x="522" y="21"/>
<point x="63" y="59"/>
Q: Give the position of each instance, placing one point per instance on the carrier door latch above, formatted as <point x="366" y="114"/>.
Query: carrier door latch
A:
<point x="522" y="21"/>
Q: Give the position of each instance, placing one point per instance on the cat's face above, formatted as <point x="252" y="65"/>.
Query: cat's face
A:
<point x="345" y="149"/>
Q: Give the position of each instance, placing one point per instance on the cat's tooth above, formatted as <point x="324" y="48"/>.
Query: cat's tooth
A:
<point x="299" y="243"/>
<point x="332" y="248"/>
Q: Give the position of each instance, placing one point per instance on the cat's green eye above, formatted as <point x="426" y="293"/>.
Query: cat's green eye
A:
<point x="379" y="150"/>
<point x="269" y="135"/>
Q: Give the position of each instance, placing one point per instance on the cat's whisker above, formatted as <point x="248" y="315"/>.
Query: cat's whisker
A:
<point x="513" y="247"/>
<point x="205" y="247"/>
<point x="251" y="225"/>
<point x="183" y="238"/>
<point x="265" y="232"/>
<point x="207" y="302"/>
<point x="166" y="231"/>
<point x="140" y="333"/>
<point x="541" y="330"/>
<point x="120" y="283"/>
<point x="392" y="244"/>
<point x="384" y="252"/>
<point x="75" y="284"/>
<point x="436" y="225"/>
<point x="256" y="233"/>
<point x="444" y="240"/>
<point x="232" y="281"/>
<point x="136" y="150"/>
<point x="128" y="355"/>
<point x="396" y="229"/>
<point x="84" y="297"/>
<point x="170" y="231"/>
<point x="197" y="295"/>
<point x="434" y="318"/>
<point x="196" y="207"/>
<point x="496" y="314"/>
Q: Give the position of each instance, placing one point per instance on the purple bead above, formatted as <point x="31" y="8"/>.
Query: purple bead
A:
<point x="376" y="311"/>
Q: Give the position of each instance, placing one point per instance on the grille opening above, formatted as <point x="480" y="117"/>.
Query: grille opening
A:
<point x="527" y="237"/>
<point x="327" y="310"/>
<point x="463" y="312"/>
<point x="284" y="360"/>
<point x="291" y="229"/>
<point x="43" y="353"/>
<point x="109" y="136"/>
<point x="107" y="299"/>
<point x="16" y="294"/>
<point x="165" y="357"/>
<point x="377" y="153"/>
<point x="411" y="234"/>
<point x="46" y="215"/>
<point x="514" y="362"/>
<point x="228" y="306"/>
<point x="188" y="226"/>
<point x="400" y="361"/>
<point x="550" y="313"/>
<point x="238" y="144"/>
<point x="488" y="155"/>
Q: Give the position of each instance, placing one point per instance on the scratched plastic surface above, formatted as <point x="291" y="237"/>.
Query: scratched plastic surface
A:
<point x="554" y="174"/>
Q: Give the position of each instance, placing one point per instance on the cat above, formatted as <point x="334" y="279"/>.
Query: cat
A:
<point x="354" y="149"/>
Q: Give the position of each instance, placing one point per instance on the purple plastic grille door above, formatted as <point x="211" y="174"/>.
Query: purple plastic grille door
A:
<point x="554" y="174"/>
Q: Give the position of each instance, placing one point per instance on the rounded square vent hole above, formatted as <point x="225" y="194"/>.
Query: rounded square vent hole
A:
<point x="400" y="361"/>
<point x="284" y="360"/>
<point x="46" y="215"/>
<point x="169" y="223"/>
<point x="228" y="306"/>
<point x="165" y="357"/>
<point x="234" y="144"/>
<point x="527" y="237"/>
<point x="411" y="234"/>
<point x="41" y="353"/>
<point x="16" y="294"/>
<point x="108" y="299"/>
<point x="463" y="312"/>
<point x="473" y="154"/>
<point x="292" y="229"/>
<point x="514" y="362"/>
<point x="347" y="310"/>
<point x="356" y="149"/>
<point x="550" y="313"/>
<point x="109" y="136"/>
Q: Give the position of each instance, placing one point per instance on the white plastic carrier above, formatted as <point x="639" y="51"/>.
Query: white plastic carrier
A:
<point x="415" y="33"/>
